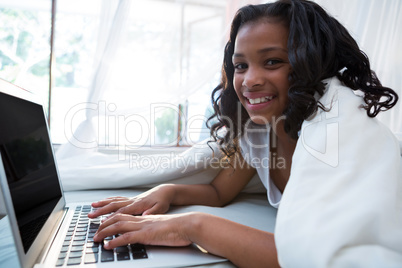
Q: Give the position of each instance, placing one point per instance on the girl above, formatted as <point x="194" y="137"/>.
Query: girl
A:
<point x="308" y="98"/>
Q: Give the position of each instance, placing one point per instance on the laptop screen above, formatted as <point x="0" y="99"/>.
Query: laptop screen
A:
<point x="29" y="165"/>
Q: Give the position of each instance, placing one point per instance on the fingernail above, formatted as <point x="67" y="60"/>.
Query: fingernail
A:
<point x="106" y="245"/>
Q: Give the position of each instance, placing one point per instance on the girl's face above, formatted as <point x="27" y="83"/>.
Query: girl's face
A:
<point x="261" y="77"/>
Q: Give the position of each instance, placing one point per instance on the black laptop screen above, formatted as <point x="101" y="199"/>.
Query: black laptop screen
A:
<point x="29" y="165"/>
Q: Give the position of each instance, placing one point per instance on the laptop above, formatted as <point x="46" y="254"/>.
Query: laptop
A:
<point x="48" y="232"/>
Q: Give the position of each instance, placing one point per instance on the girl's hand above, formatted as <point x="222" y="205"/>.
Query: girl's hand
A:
<point x="154" y="201"/>
<point x="163" y="230"/>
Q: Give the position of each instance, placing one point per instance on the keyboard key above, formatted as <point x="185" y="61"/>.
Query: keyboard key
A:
<point x="62" y="255"/>
<point x="92" y="250"/>
<point x="80" y="233"/>
<point x="122" y="256"/>
<point x="64" y="249"/>
<point x="93" y="225"/>
<point x="92" y="245"/>
<point x="74" y="261"/>
<point x="77" y="248"/>
<point x="140" y="255"/>
<point x="122" y="249"/>
<point x="137" y="248"/>
<point x="76" y="254"/>
<point x="91" y="258"/>
<point x="79" y="238"/>
<point x="107" y="255"/>
<point x="78" y="243"/>
<point x="91" y="235"/>
<point x="60" y="262"/>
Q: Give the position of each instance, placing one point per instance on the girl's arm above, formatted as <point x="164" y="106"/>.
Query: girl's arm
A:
<point x="242" y="245"/>
<point x="224" y="188"/>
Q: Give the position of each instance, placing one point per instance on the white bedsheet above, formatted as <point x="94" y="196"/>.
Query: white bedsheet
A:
<point x="95" y="170"/>
<point x="342" y="206"/>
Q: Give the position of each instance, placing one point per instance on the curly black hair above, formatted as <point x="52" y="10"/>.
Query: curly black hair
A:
<point x="319" y="47"/>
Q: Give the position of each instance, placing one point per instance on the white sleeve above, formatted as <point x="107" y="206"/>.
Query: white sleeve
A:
<point x="342" y="206"/>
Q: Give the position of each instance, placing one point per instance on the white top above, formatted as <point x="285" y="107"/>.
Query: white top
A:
<point x="254" y="147"/>
<point x="342" y="205"/>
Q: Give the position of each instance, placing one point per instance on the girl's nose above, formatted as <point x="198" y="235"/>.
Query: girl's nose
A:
<point x="253" y="78"/>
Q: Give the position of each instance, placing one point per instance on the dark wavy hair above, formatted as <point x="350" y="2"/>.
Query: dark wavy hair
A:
<point x="319" y="47"/>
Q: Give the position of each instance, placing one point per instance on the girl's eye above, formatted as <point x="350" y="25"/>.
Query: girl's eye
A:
<point x="272" y="62"/>
<point x="240" y="66"/>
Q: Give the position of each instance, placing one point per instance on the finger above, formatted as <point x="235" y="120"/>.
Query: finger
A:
<point x="112" y="220"/>
<point x="135" y="208"/>
<point x="108" y="200"/>
<point x="116" y="227"/>
<point x="155" y="209"/>
<point x="122" y="240"/>
<point x="111" y="207"/>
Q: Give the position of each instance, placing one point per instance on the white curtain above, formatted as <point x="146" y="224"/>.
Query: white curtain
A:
<point x="376" y="25"/>
<point x="114" y="19"/>
<point x="81" y="158"/>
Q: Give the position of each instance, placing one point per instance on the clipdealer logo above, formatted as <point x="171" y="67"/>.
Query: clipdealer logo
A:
<point x="325" y="148"/>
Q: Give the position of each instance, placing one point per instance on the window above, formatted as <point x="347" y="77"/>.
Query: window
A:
<point x="151" y="87"/>
<point x="25" y="31"/>
<point x="148" y="69"/>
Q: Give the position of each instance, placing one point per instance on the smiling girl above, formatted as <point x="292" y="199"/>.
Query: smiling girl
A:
<point x="290" y="75"/>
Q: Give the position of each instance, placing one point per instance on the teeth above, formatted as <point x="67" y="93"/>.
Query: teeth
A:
<point x="260" y="100"/>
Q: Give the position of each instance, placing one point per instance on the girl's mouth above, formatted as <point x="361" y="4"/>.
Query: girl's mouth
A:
<point x="260" y="100"/>
<point x="254" y="103"/>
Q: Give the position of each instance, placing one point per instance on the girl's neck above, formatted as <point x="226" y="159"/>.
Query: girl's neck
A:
<point x="279" y="135"/>
<point x="282" y="147"/>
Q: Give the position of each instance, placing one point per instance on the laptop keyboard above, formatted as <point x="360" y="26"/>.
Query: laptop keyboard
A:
<point x="80" y="248"/>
